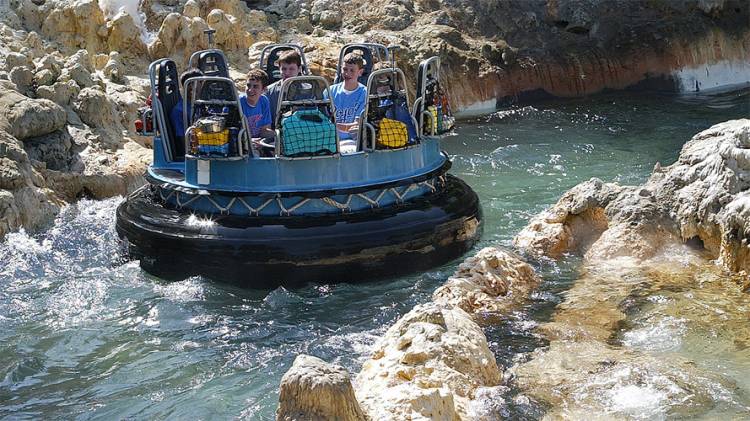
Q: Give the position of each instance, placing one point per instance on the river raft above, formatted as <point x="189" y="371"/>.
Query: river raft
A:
<point x="308" y="204"/>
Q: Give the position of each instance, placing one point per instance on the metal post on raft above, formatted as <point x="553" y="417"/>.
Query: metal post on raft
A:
<point x="392" y="53"/>
<point x="210" y="33"/>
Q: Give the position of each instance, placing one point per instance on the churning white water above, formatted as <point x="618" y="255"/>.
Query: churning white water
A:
<point x="112" y="7"/>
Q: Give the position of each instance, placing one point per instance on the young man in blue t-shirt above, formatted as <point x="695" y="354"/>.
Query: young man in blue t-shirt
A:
<point x="349" y="98"/>
<point x="255" y="106"/>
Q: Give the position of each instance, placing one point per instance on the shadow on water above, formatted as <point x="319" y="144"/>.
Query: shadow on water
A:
<point x="87" y="336"/>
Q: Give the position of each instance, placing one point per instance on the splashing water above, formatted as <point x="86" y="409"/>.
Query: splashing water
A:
<point x="131" y="7"/>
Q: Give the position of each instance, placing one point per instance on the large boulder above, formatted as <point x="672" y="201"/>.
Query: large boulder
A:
<point x="179" y="33"/>
<point x="24" y="117"/>
<point x="76" y="24"/>
<point x="60" y="92"/>
<point x="427" y="366"/>
<point x="14" y="59"/>
<point x="124" y="35"/>
<point x="315" y="390"/>
<point x="96" y="109"/>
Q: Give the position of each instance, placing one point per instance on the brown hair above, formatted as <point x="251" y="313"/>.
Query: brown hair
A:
<point x="381" y="65"/>
<point x="290" y="57"/>
<point x="259" y="75"/>
<point x="355" y="58"/>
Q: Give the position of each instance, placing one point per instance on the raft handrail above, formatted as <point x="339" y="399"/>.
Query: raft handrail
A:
<point x="243" y="145"/>
<point x="432" y="63"/>
<point x="286" y="83"/>
<point x="158" y="113"/>
<point x="373" y="75"/>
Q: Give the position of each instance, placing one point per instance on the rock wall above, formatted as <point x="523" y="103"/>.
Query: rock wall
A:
<point x="500" y="51"/>
<point x="702" y="200"/>
<point x="434" y="362"/>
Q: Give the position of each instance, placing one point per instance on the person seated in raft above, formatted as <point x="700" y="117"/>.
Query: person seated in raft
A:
<point x="175" y="116"/>
<point x="290" y="64"/>
<point x="349" y="98"/>
<point x="256" y="108"/>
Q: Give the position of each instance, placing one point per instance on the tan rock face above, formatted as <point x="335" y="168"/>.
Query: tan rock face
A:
<point x="78" y="24"/>
<point x="124" y="35"/>
<point x="427" y="365"/>
<point x="702" y="196"/>
<point x="24" y="117"/>
<point x="315" y="390"/>
<point x="490" y="281"/>
<point x="434" y="362"/>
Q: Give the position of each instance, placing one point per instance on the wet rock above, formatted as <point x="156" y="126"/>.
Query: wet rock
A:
<point x="54" y="150"/>
<point x="699" y="198"/>
<point x="428" y="365"/>
<point x="572" y="224"/>
<point x="315" y="390"/>
<point x="24" y="117"/>
<point x="490" y="281"/>
<point x="572" y="15"/>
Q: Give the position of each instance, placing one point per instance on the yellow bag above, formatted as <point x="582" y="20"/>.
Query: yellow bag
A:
<point x="392" y="134"/>
<point x="212" y="139"/>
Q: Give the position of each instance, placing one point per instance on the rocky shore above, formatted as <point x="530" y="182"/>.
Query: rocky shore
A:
<point x="433" y="363"/>
<point x="686" y="223"/>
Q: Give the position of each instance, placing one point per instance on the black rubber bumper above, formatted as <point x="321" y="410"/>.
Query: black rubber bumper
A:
<point x="258" y="252"/>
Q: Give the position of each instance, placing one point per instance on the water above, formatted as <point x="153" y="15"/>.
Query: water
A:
<point x="85" y="335"/>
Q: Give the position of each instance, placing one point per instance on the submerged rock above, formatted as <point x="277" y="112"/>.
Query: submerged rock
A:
<point x="701" y="199"/>
<point x="315" y="390"/>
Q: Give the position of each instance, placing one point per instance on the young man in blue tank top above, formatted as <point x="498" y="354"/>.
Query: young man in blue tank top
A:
<point x="349" y="98"/>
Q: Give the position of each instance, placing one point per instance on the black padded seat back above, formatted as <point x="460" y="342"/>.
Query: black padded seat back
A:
<point x="216" y="90"/>
<point x="168" y="92"/>
<point x="270" y="66"/>
<point x="212" y="63"/>
<point x="366" y="54"/>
